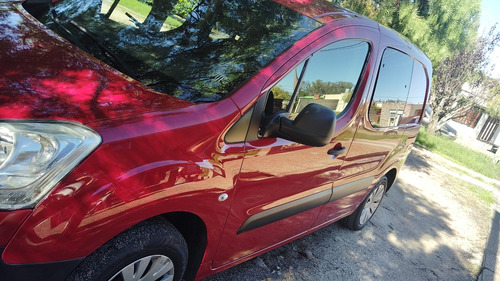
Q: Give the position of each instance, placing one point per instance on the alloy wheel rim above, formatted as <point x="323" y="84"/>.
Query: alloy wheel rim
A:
<point x="372" y="203"/>
<point x="150" y="268"/>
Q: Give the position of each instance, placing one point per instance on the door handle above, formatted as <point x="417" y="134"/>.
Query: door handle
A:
<point x="336" y="152"/>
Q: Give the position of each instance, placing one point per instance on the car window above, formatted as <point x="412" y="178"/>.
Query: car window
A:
<point x="416" y="96"/>
<point x="391" y="91"/>
<point x="332" y="74"/>
<point x="282" y="92"/>
<point x="195" y="50"/>
<point x="330" y="78"/>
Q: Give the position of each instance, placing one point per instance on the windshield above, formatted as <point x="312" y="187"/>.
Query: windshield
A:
<point x="195" y="50"/>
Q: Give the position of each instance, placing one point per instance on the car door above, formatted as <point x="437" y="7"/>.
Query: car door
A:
<point x="283" y="184"/>
<point x="381" y="140"/>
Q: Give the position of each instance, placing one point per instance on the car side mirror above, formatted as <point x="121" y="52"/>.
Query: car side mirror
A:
<point x="313" y="126"/>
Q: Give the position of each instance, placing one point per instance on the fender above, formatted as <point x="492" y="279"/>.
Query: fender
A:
<point x="134" y="176"/>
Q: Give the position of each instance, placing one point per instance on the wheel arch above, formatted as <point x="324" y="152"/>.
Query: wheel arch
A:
<point x="391" y="177"/>
<point x="194" y="231"/>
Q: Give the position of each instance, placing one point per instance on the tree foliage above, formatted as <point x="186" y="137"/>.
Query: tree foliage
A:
<point x="438" y="27"/>
<point x="493" y="103"/>
<point x="460" y="82"/>
<point x="280" y="93"/>
<point x="322" y="88"/>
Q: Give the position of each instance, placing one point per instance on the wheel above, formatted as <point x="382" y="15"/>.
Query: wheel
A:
<point x="152" y="250"/>
<point x="367" y="208"/>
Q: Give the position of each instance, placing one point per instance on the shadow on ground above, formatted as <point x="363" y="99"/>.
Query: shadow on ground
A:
<point x="416" y="162"/>
<point x="491" y="252"/>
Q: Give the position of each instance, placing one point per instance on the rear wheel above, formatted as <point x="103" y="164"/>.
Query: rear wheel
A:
<point x="153" y="250"/>
<point x="367" y="208"/>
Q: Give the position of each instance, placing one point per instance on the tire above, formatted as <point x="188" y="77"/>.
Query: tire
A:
<point x="148" y="248"/>
<point x="365" y="211"/>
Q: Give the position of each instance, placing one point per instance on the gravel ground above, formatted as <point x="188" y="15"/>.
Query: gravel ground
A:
<point x="429" y="227"/>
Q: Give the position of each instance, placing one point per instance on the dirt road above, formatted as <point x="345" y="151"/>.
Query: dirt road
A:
<point x="430" y="226"/>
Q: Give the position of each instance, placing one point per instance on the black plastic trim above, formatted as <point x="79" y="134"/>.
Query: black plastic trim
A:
<point x="50" y="271"/>
<point x="297" y="86"/>
<point x="239" y="130"/>
<point x="285" y="210"/>
<point x="350" y="188"/>
<point x="303" y="204"/>
<point x="256" y="120"/>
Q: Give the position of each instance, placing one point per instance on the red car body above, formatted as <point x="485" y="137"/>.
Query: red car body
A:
<point x="163" y="156"/>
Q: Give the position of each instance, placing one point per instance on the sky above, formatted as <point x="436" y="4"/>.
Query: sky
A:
<point x="490" y="14"/>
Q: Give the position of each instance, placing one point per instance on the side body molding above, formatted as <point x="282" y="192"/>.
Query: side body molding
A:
<point x="350" y="188"/>
<point x="303" y="204"/>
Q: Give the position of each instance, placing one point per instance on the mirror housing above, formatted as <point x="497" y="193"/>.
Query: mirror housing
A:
<point x="313" y="126"/>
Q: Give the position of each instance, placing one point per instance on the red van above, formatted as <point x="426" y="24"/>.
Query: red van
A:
<point x="170" y="140"/>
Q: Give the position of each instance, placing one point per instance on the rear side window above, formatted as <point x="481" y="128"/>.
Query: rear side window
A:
<point x="400" y="91"/>
<point x="416" y="96"/>
<point x="330" y="78"/>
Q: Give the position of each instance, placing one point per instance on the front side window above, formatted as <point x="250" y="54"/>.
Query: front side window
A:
<point x="330" y="78"/>
<point x="332" y="75"/>
<point x="195" y="50"/>
<point x="283" y="91"/>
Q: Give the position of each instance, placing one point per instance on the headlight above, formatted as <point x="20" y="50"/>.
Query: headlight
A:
<point x="35" y="156"/>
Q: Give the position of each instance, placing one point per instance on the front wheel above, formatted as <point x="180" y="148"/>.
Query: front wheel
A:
<point x="367" y="208"/>
<point x="153" y="250"/>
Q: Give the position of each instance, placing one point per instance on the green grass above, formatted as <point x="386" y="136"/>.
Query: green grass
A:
<point x="459" y="154"/>
<point x="144" y="9"/>
<point x="481" y="193"/>
<point x="472" y="196"/>
<point x="474" y="176"/>
<point x="136" y="6"/>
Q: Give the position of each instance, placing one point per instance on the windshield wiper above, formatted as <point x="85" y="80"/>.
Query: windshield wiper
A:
<point x="104" y="50"/>
<point x="75" y="40"/>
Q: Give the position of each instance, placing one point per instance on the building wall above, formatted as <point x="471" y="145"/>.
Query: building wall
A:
<point x="467" y="136"/>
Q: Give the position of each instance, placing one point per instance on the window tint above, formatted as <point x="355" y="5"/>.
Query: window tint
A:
<point x="416" y="96"/>
<point x="330" y="78"/>
<point x="392" y="88"/>
<point x="332" y="75"/>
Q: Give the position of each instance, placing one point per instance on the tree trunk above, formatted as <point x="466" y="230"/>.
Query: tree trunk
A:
<point x="112" y="8"/>
<point x="432" y="128"/>
<point x="160" y="11"/>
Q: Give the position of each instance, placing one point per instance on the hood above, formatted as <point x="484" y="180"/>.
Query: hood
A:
<point x="42" y="76"/>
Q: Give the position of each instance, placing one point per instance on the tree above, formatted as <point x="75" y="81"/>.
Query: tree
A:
<point x="160" y="10"/>
<point x="453" y="27"/>
<point x="438" y="27"/>
<point x="322" y="88"/>
<point x="279" y="93"/>
<point x="493" y="103"/>
<point x="459" y="81"/>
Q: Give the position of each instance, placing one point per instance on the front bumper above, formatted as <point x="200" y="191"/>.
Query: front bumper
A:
<point x="50" y="271"/>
